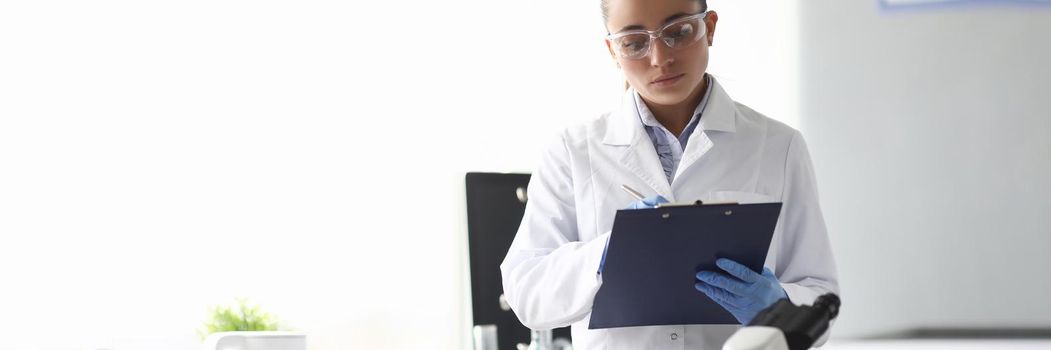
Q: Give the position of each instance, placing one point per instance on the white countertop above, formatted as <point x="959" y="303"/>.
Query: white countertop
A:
<point x="939" y="344"/>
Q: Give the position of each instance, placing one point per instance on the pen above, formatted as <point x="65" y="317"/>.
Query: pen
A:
<point x="632" y="192"/>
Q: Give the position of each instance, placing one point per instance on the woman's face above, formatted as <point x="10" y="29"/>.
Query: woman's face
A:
<point x="666" y="76"/>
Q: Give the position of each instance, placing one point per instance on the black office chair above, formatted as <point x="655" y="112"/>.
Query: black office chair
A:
<point x="495" y="204"/>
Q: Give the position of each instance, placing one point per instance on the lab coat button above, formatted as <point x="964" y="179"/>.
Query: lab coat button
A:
<point x="674" y="336"/>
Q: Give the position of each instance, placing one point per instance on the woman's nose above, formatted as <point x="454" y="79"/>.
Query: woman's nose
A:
<point x="660" y="53"/>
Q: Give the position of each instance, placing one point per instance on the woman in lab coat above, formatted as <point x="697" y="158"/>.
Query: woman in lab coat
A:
<point x="679" y="136"/>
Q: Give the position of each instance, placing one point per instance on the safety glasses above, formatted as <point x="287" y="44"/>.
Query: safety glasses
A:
<point x="637" y="44"/>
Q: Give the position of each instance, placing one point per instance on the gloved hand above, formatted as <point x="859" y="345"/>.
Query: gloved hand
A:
<point x="645" y="203"/>
<point x="744" y="294"/>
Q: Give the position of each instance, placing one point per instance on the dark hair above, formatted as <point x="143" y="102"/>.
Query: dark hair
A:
<point x="605" y="8"/>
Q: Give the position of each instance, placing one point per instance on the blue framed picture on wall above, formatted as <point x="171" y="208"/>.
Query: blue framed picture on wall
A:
<point x="909" y="4"/>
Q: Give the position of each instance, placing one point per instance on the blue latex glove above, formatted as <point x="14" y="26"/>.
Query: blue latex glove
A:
<point x="745" y="293"/>
<point x="645" y="203"/>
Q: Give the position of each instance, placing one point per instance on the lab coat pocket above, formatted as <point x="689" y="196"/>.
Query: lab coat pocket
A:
<point x="741" y="197"/>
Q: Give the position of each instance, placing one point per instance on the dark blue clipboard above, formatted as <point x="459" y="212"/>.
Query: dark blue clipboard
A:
<point x="654" y="255"/>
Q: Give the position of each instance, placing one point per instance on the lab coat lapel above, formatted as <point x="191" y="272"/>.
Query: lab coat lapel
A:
<point x="718" y="116"/>
<point x="625" y="131"/>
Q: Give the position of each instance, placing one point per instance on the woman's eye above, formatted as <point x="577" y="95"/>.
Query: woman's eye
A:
<point x="633" y="45"/>
<point x="682" y="31"/>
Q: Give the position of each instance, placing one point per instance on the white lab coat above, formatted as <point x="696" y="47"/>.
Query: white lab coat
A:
<point x="549" y="273"/>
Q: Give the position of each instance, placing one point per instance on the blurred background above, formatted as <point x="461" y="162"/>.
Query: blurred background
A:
<point x="159" y="158"/>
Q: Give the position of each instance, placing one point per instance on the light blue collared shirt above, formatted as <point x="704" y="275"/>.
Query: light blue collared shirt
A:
<point x="670" y="148"/>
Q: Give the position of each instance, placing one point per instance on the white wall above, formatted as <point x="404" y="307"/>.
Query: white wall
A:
<point x="157" y="158"/>
<point x="929" y="129"/>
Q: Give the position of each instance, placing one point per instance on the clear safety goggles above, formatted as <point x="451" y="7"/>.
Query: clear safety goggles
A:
<point x="683" y="32"/>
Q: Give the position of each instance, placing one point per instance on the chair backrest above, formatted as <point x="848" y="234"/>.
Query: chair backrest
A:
<point x="255" y="341"/>
<point x="495" y="204"/>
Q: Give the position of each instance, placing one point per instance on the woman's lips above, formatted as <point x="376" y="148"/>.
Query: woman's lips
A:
<point x="667" y="81"/>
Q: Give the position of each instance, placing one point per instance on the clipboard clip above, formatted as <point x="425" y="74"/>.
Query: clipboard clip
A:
<point x="695" y="203"/>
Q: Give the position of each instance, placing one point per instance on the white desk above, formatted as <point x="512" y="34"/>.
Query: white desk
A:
<point x="940" y="344"/>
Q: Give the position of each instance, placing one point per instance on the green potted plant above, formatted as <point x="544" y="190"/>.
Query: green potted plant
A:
<point x="241" y="317"/>
<point x="245" y="326"/>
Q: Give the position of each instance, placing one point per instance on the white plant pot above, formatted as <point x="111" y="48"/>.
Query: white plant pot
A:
<point x="255" y="341"/>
